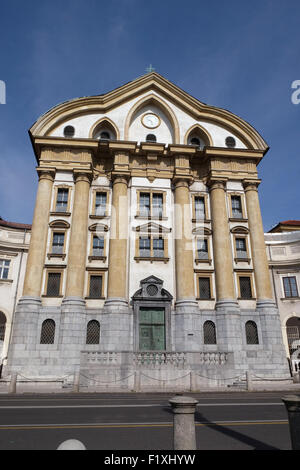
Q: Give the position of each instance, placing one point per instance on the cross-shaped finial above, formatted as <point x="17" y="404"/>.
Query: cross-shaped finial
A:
<point x="150" y="69"/>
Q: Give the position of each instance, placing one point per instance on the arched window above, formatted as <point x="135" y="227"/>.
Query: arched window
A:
<point x="251" y="332"/>
<point x="209" y="332"/>
<point x="93" y="332"/>
<point x="48" y="332"/>
<point x="2" y="326"/>
<point x="151" y="138"/>
<point x="69" y="131"/>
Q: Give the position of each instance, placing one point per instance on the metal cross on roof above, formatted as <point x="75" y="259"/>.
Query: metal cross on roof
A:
<point x="150" y="69"/>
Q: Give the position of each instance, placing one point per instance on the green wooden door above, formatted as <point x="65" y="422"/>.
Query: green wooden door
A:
<point x="152" y="329"/>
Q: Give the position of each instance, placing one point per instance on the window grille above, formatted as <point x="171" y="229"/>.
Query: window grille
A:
<point x="202" y="249"/>
<point x="236" y="207"/>
<point x="58" y="243"/>
<point x="48" y="332"/>
<point x="209" y="333"/>
<point x="53" y="287"/>
<point x="204" y="288"/>
<point x="62" y="200"/>
<point x="98" y="246"/>
<point x="158" y="247"/>
<point x="251" y="333"/>
<point x="95" y="287"/>
<point x="93" y="332"/>
<point x="290" y="286"/>
<point x="100" y="207"/>
<point x="199" y="208"/>
<point x="245" y="288"/>
<point x="4" y="268"/>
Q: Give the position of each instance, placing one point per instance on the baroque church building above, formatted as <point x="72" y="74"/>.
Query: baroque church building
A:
<point x="147" y="261"/>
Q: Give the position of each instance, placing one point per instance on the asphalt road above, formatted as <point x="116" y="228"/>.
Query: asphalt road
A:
<point x="224" y="421"/>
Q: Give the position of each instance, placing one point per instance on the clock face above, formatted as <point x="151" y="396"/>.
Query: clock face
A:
<point x="150" y="120"/>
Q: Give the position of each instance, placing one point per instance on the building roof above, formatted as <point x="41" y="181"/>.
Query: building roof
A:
<point x="286" y="226"/>
<point x="15" y="225"/>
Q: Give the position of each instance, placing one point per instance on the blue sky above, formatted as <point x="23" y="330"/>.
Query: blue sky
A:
<point x="238" y="55"/>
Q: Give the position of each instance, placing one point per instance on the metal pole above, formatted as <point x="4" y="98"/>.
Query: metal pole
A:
<point x="184" y="433"/>
<point x="292" y="403"/>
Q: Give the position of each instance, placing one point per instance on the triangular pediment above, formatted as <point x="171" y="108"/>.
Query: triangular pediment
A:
<point x="152" y="227"/>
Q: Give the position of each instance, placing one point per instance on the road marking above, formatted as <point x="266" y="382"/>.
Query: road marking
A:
<point x="144" y="405"/>
<point x="26" y="427"/>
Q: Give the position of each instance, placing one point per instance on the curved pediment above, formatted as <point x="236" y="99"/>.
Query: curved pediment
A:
<point x="240" y="229"/>
<point x="59" y="224"/>
<point x="121" y="104"/>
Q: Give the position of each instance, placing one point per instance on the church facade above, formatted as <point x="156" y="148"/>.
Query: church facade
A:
<point x="147" y="261"/>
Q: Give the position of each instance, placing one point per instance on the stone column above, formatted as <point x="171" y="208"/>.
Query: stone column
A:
<point x="78" y="238"/>
<point x="184" y="256"/>
<point x="258" y="247"/>
<point x="184" y="432"/>
<point x="117" y="265"/>
<point x="225" y="293"/>
<point x="38" y="242"/>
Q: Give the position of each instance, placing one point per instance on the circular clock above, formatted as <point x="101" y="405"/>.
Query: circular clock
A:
<point x="150" y="120"/>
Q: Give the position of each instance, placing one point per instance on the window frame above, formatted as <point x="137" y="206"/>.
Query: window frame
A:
<point x="205" y="275"/>
<point x="204" y="196"/>
<point x="2" y="268"/>
<point x="250" y="276"/>
<point x="243" y="207"/>
<point x="54" y="204"/>
<point x="95" y="272"/>
<point x="53" y="271"/>
<point x="94" y="200"/>
<point x="152" y="237"/>
<point x="237" y="258"/>
<point x="151" y="215"/>
<point x="283" y="287"/>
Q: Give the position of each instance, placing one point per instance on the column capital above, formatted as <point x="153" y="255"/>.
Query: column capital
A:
<point x="216" y="183"/>
<point x="83" y="175"/>
<point x="251" y="185"/>
<point x="182" y="181"/>
<point x="46" y="173"/>
<point x="117" y="177"/>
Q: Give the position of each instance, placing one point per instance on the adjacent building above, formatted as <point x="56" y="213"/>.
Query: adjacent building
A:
<point x="283" y="250"/>
<point x="147" y="249"/>
<point x="14" y="244"/>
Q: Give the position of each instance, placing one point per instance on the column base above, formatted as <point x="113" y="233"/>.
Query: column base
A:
<point x="116" y="304"/>
<point x="265" y="304"/>
<point x="73" y="301"/>
<point x="186" y="306"/>
<point x="31" y="301"/>
<point x="227" y="304"/>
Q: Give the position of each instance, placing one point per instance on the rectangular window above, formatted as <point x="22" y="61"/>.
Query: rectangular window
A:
<point x="53" y="285"/>
<point x="204" y="288"/>
<point x="58" y="243"/>
<point x="62" y="200"/>
<point x="158" y="247"/>
<point x="100" y="204"/>
<point x="95" y="287"/>
<point x="202" y="249"/>
<point x="145" y="205"/>
<point x="145" y="247"/>
<point x="236" y="205"/>
<point x="241" y="248"/>
<point x="199" y="208"/>
<point x="290" y="287"/>
<point x="245" y="287"/>
<point x="4" y="268"/>
<point x="98" y="246"/>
